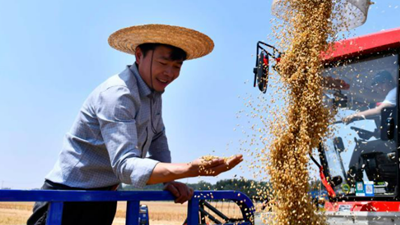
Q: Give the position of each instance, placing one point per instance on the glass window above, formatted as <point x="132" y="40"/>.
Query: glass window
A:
<point x="361" y="152"/>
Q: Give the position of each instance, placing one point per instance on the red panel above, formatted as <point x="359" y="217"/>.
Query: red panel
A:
<point x="365" y="206"/>
<point x="363" y="45"/>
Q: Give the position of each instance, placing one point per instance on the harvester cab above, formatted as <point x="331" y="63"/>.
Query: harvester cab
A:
<point x="359" y="160"/>
<point x="361" y="154"/>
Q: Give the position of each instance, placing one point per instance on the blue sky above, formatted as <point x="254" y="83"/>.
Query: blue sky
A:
<point x="54" y="53"/>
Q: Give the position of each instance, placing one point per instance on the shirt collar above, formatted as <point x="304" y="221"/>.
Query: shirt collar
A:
<point x="144" y="90"/>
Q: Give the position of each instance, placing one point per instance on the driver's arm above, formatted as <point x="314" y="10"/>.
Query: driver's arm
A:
<point x="369" y="112"/>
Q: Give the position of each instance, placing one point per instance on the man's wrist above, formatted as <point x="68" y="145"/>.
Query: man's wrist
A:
<point x="192" y="170"/>
<point x="167" y="172"/>
<point x="185" y="170"/>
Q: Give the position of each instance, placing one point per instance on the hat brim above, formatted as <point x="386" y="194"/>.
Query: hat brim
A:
<point x="194" y="43"/>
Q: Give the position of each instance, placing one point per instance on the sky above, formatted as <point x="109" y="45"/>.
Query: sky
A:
<point x="54" y="53"/>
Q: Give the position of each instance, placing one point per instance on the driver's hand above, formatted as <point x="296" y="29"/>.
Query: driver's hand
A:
<point x="181" y="191"/>
<point x="348" y="119"/>
<point x="351" y="118"/>
<point x="213" y="166"/>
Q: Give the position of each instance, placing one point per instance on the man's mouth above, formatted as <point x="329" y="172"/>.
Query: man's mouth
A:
<point x="162" y="81"/>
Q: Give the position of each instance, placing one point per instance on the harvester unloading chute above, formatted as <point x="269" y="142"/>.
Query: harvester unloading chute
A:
<point x="353" y="13"/>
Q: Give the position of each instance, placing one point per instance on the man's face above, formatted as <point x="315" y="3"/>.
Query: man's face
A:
<point x="164" y="69"/>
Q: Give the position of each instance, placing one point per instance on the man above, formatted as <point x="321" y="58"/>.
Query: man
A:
<point x="384" y="85"/>
<point x="120" y="122"/>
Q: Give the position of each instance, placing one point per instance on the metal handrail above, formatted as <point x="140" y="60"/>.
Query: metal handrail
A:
<point x="56" y="198"/>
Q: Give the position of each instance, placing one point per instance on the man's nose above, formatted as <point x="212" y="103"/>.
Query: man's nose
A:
<point x="168" y="71"/>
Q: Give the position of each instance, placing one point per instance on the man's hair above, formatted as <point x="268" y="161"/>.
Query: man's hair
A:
<point x="176" y="53"/>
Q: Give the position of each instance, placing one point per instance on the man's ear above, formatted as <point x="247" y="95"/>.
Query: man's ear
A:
<point x="138" y="55"/>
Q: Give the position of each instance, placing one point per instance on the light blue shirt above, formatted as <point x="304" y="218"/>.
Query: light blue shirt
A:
<point x="114" y="131"/>
<point x="391" y="97"/>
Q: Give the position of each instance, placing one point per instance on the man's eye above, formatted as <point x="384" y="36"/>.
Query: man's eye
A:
<point x="163" y="63"/>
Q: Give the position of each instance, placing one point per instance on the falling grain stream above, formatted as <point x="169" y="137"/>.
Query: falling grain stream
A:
<point x="304" y="34"/>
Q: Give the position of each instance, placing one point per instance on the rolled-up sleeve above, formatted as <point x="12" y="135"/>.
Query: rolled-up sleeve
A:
<point x="116" y="114"/>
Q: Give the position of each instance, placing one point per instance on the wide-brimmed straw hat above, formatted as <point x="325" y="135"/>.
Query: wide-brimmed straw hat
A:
<point x="194" y="43"/>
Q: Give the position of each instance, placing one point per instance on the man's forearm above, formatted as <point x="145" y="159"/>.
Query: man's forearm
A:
<point x="368" y="112"/>
<point x="374" y="111"/>
<point x="166" y="172"/>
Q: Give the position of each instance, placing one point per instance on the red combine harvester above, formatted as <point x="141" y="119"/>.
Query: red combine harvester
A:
<point x="359" y="163"/>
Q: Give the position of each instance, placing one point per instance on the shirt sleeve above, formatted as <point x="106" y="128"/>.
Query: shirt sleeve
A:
<point x="116" y="112"/>
<point x="391" y="97"/>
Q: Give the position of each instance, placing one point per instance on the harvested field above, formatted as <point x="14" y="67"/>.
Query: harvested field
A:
<point x="12" y="213"/>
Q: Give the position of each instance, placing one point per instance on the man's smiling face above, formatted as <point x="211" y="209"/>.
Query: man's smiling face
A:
<point x="162" y="71"/>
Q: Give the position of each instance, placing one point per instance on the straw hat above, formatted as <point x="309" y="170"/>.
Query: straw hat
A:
<point x="194" y="43"/>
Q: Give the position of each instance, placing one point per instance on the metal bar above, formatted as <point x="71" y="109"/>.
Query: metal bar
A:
<point x="275" y="50"/>
<point x="315" y="161"/>
<point x="212" y="208"/>
<point x="93" y="196"/>
<point x="193" y="211"/>
<point x="255" y="73"/>
<point x="54" y="215"/>
<point x="215" y="220"/>
<point x="266" y="52"/>
<point x="132" y="212"/>
<point x="82" y="196"/>
<point x="202" y="216"/>
<point x="263" y="43"/>
<point x="59" y="196"/>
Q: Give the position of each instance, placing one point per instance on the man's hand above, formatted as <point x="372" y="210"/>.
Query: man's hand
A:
<point x="181" y="191"/>
<point x="206" y="166"/>
<point x="214" y="166"/>
<point x="351" y="118"/>
<point x="348" y="119"/>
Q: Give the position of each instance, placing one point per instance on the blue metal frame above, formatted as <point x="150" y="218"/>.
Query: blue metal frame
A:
<point x="133" y="198"/>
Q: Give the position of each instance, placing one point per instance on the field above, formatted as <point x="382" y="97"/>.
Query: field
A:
<point x="160" y="213"/>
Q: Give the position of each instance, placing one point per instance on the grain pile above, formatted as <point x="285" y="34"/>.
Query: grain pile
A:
<point x="306" y="31"/>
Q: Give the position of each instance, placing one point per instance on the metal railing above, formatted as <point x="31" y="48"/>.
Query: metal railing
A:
<point x="56" y="198"/>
